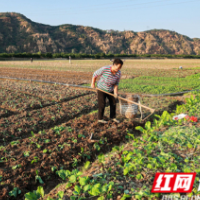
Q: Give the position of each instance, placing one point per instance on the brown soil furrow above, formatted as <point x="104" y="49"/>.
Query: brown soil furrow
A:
<point x="48" y="75"/>
<point x="28" y="93"/>
<point x="38" y="89"/>
<point x="65" y="156"/>
<point x="6" y="113"/>
<point x="21" y="125"/>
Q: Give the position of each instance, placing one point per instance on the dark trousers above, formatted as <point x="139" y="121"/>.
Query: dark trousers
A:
<point x="102" y="103"/>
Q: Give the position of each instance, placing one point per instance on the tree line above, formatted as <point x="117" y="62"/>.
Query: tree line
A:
<point x="95" y="56"/>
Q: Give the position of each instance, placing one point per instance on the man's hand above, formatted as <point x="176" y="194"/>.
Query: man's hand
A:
<point x="116" y="98"/>
<point x="116" y="91"/>
<point x="116" y="95"/>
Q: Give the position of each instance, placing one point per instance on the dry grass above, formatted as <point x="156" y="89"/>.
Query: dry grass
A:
<point x="135" y="67"/>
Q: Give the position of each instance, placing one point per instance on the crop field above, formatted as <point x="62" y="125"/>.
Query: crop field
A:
<point x="138" y="76"/>
<point x="160" y="85"/>
<point x="46" y="148"/>
<point x="87" y="65"/>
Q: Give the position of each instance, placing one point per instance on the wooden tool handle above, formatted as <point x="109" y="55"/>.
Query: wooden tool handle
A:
<point x="148" y="116"/>
<point x="152" y="110"/>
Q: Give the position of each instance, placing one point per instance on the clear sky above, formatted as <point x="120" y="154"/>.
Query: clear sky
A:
<point x="182" y="16"/>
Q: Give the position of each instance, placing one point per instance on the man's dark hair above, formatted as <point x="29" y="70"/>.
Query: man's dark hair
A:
<point x="117" y="61"/>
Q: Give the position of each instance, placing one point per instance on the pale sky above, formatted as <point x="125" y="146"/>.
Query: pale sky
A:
<point x="181" y="16"/>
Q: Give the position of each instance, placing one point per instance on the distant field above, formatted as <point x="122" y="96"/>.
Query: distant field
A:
<point x="133" y="67"/>
<point x="138" y="76"/>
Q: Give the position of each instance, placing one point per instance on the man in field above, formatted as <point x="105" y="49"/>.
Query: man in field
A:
<point x="109" y="80"/>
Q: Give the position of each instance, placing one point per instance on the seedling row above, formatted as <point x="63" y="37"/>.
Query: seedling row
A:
<point x="30" y="162"/>
<point x="49" y="92"/>
<point x="21" y="125"/>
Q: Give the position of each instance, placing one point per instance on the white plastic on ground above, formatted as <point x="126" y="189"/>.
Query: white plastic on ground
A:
<point x="180" y="116"/>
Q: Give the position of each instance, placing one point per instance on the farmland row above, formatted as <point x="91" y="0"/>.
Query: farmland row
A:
<point x="5" y="113"/>
<point x="29" y="162"/>
<point x="160" y="85"/>
<point x="33" y="161"/>
<point x="16" y="101"/>
<point x="16" y="125"/>
<point x="36" y="143"/>
<point x="48" y="75"/>
<point x="128" y="171"/>
<point x="133" y="67"/>
<point x="21" y="125"/>
<point x="23" y="101"/>
<point x="45" y="91"/>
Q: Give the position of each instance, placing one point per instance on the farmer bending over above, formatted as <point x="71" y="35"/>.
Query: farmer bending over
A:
<point x="109" y="81"/>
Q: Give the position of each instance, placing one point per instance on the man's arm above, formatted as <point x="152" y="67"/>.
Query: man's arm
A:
<point x="116" y="91"/>
<point x="116" y="86"/>
<point x="93" y="82"/>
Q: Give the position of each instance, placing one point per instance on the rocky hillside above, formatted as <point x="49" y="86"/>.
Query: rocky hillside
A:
<point x="19" y="34"/>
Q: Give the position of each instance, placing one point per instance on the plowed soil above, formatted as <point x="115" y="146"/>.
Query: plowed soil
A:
<point x="22" y="124"/>
<point x="56" y="149"/>
<point x="48" y="75"/>
<point x="53" y="134"/>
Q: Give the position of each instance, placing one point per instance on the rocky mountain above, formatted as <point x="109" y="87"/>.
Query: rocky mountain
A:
<point x="20" y="34"/>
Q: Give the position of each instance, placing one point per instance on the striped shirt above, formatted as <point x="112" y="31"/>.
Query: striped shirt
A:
<point x="107" y="79"/>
